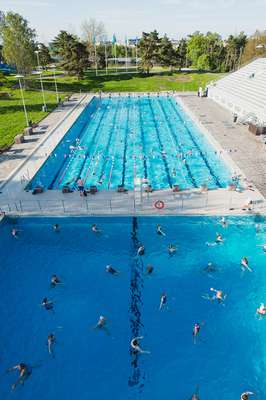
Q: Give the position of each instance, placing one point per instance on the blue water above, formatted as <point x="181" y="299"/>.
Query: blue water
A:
<point x="116" y="140"/>
<point x="228" y="358"/>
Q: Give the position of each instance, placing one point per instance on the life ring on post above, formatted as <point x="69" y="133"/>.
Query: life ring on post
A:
<point x="159" y="204"/>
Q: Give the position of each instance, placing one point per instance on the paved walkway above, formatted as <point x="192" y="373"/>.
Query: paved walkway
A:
<point x="248" y="150"/>
<point x="13" y="157"/>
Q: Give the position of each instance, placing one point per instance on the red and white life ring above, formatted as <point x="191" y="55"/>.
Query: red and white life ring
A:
<point x="159" y="204"/>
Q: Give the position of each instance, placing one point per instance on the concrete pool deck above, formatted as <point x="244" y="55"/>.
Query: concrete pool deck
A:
<point x="215" y="124"/>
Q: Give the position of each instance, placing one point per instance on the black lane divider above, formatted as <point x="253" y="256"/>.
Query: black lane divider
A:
<point x="125" y="151"/>
<point x="143" y="141"/>
<point x="197" y="146"/>
<point x="161" y="146"/>
<point x="109" y="141"/>
<point x="194" y="183"/>
<point x="137" y="377"/>
<point x="80" y="135"/>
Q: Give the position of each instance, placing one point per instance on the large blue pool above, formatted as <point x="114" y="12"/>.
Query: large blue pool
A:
<point x="228" y="357"/>
<point x="116" y="140"/>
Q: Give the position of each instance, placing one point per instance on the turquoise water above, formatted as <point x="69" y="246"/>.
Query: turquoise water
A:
<point x="116" y="140"/>
<point x="228" y="357"/>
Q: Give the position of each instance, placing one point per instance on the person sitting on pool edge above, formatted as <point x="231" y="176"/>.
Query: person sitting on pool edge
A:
<point x="24" y="373"/>
<point x="80" y="185"/>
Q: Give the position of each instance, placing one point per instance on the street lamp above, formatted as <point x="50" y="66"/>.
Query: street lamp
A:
<point x="19" y="77"/>
<point x="40" y="73"/>
<point x="55" y="83"/>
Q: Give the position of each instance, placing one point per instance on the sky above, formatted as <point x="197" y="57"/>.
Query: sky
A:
<point x="176" y="18"/>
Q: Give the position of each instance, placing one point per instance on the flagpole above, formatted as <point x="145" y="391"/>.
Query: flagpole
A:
<point x="106" y="60"/>
<point x="136" y="56"/>
<point x="115" y="59"/>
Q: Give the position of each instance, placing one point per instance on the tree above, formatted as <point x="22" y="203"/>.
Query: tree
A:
<point x="44" y="55"/>
<point x="93" y="32"/>
<point x="72" y="54"/>
<point x="148" y="47"/>
<point x="255" y="47"/>
<point x="167" y="54"/>
<point x="18" y="42"/>
<point x="235" y="46"/>
<point x="181" y="54"/>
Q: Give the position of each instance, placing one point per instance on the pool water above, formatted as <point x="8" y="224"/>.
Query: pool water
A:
<point x="117" y="140"/>
<point x="228" y="357"/>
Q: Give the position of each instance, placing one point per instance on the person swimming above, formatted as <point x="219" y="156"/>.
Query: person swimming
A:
<point x="55" y="281"/>
<point x="219" y="238"/>
<point x="261" y="310"/>
<point x="111" y="270"/>
<point x="244" y="264"/>
<point x="149" y="269"/>
<point x="14" y="233"/>
<point x="160" y="231"/>
<point x="141" y="250"/>
<point x="223" y="222"/>
<point x="24" y="373"/>
<point x="163" y="301"/>
<point x="245" y="395"/>
<point x="171" y="249"/>
<point x="95" y="229"/>
<point x="136" y="347"/>
<point x="263" y="246"/>
<point x="47" y="304"/>
<point x="210" y="268"/>
<point x="56" y="228"/>
<point x="218" y="295"/>
<point x="101" y="324"/>
<point x="50" y="343"/>
<point x="195" y="331"/>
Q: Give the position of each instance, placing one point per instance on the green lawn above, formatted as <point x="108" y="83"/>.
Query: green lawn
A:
<point x="12" y="120"/>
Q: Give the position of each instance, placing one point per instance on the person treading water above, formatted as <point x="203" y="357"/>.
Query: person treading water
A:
<point x="223" y="222"/>
<point x="149" y="269"/>
<point x="24" y="373"/>
<point x="136" y="347"/>
<point x="195" y="331"/>
<point x="14" y="233"/>
<point x="219" y="238"/>
<point x="101" y="324"/>
<point x="47" y="304"/>
<point x="56" y="228"/>
<point x="219" y="295"/>
<point x="160" y="231"/>
<point x="95" y="229"/>
<point x="171" y="249"/>
<point x="111" y="270"/>
<point x="261" y="310"/>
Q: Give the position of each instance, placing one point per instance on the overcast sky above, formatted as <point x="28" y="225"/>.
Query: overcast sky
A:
<point x="173" y="17"/>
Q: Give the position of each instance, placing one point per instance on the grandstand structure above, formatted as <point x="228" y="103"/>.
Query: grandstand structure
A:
<point x="243" y="92"/>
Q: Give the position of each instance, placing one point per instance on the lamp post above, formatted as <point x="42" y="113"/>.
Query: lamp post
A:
<point x="19" y="77"/>
<point x="55" y="83"/>
<point x="40" y="73"/>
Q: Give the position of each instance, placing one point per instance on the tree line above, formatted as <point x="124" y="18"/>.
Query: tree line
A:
<point x="204" y="52"/>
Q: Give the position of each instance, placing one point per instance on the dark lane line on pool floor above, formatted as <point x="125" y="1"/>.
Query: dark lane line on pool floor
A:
<point x="137" y="377"/>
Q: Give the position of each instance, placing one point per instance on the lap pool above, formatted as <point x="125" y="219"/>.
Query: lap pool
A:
<point x="116" y="140"/>
<point x="228" y="356"/>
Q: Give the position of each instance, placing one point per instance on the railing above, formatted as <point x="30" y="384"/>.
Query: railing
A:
<point x="137" y="204"/>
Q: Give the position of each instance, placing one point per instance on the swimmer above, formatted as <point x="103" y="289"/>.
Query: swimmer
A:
<point x="195" y="395"/>
<point x="47" y="304"/>
<point x="149" y="269"/>
<point x="210" y="268"/>
<point x="219" y="238"/>
<point x="244" y="264"/>
<point x="101" y="324"/>
<point x="218" y="295"/>
<point x="163" y="301"/>
<point x="159" y="230"/>
<point x="263" y="246"/>
<point x="223" y="222"/>
<point x="195" y="331"/>
<point x="50" y="342"/>
<point x="111" y="270"/>
<point x="55" y="281"/>
<point x="245" y="395"/>
<point x="14" y="233"/>
<point x="24" y="373"/>
<point x="171" y="249"/>
<point x="174" y="172"/>
<point x="261" y="310"/>
<point x="141" y="250"/>
<point x="136" y="347"/>
<point x="56" y="227"/>
<point x="95" y="229"/>
<point x="257" y="227"/>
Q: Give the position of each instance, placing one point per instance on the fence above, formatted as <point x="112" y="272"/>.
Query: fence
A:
<point x="132" y="204"/>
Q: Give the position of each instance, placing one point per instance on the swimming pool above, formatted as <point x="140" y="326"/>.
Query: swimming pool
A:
<point x="116" y="140"/>
<point x="228" y="357"/>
